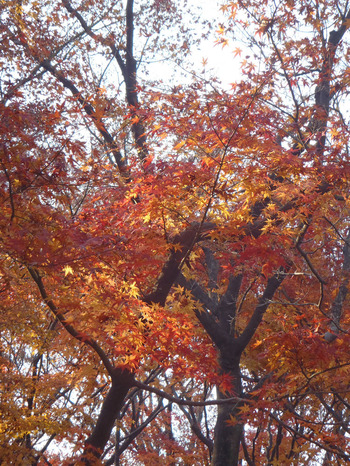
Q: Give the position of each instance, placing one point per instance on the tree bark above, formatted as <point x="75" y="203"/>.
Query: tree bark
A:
<point x="228" y="429"/>
<point x="122" y="381"/>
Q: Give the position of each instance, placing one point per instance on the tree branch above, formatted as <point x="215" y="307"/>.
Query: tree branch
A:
<point x="68" y="327"/>
<point x="90" y="111"/>
<point x="103" y="41"/>
<point x="180" y="401"/>
<point x="226" y="310"/>
<point x="272" y="286"/>
<point x="338" y="303"/>
<point x="291" y="430"/>
<point x="127" y="440"/>
<point x="174" y="264"/>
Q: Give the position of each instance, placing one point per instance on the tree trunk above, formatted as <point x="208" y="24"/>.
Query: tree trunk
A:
<point x="228" y="429"/>
<point x="122" y="381"/>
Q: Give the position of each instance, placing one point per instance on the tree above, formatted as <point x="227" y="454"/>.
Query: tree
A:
<point x="211" y="249"/>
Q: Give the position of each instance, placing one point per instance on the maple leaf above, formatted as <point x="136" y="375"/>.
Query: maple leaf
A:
<point x="179" y="145"/>
<point x="68" y="270"/>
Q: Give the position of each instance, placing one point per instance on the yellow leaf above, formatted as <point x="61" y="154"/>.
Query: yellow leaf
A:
<point x="179" y="145"/>
<point x="134" y="290"/>
<point x="67" y="270"/>
<point x="147" y="218"/>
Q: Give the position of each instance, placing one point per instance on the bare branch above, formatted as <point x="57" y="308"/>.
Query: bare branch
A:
<point x="180" y="401"/>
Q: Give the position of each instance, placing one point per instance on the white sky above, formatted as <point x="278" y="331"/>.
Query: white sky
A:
<point x="221" y="61"/>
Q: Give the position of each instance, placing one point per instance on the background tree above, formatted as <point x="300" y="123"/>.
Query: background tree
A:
<point x="209" y="250"/>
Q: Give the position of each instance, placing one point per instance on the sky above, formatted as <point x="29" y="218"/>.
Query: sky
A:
<point x="220" y="61"/>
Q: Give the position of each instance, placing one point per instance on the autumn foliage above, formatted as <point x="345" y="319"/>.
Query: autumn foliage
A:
<point x="174" y="250"/>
